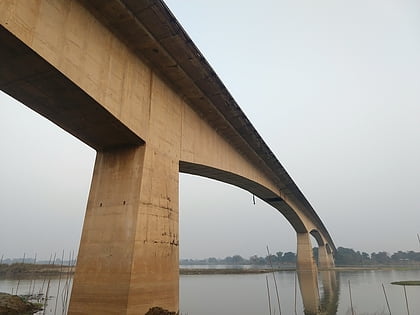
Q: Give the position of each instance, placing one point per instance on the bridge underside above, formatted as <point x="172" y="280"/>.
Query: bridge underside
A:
<point x="255" y="188"/>
<point x="33" y="81"/>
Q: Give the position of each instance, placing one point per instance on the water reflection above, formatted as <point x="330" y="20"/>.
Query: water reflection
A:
<point x="330" y="292"/>
<point x="313" y="304"/>
<point x="246" y="294"/>
<point x="308" y="284"/>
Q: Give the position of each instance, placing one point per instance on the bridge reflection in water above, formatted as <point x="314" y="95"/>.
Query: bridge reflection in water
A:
<point x="315" y="301"/>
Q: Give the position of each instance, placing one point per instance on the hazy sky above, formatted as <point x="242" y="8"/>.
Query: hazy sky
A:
<point x="332" y="87"/>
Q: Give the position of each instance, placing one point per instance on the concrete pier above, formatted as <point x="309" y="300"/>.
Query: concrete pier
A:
<point x="307" y="274"/>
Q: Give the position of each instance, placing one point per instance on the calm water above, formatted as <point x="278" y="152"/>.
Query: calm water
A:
<point x="55" y="288"/>
<point x="247" y="294"/>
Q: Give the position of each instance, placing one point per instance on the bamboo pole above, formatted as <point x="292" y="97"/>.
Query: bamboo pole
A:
<point x="295" y="290"/>
<point x="46" y="297"/>
<point x="59" y="283"/>
<point x="32" y="288"/>
<point x="67" y="285"/>
<point x="386" y="299"/>
<point x="268" y="294"/>
<point x="351" y="300"/>
<point x="406" y="300"/>
<point x="45" y="277"/>
<point x="23" y="262"/>
<point x="274" y="277"/>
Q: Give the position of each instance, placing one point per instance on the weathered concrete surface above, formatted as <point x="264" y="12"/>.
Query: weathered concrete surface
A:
<point x="126" y="79"/>
<point x="325" y="258"/>
<point x="35" y="83"/>
<point x="129" y="245"/>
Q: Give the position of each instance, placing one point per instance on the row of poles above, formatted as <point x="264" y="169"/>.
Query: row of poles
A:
<point x="275" y="285"/>
<point x="386" y="299"/>
<point x="272" y="309"/>
<point x="63" y="287"/>
<point x="385" y="295"/>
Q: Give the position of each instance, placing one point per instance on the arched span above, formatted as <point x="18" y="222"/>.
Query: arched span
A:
<point x="253" y="187"/>
<point x="328" y="248"/>
<point x="317" y="237"/>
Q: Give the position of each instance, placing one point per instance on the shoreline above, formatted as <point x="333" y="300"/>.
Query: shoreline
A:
<point x="38" y="271"/>
<point x="232" y="271"/>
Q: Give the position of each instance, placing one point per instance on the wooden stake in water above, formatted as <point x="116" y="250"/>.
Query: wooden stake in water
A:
<point x="59" y="283"/>
<point x="418" y="237"/>
<point x="66" y="290"/>
<point x="45" y="277"/>
<point x="386" y="299"/>
<point x="295" y="290"/>
<point x="351" y="300"/>
<point x="268" y="294"/>
<point x="23" y="262"/>
<point x="274" y="277"/>
<point x="48" y="287"/>
<point x="31" y="289"/>
<point x="406" y="301"/>
<point x="46" y="297"/>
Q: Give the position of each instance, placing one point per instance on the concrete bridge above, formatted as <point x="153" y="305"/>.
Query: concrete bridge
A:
<point x="125" y="78"/>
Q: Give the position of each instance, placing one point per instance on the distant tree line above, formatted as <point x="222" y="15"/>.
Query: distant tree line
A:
<point x="280" y="258"/>
<point x="343" y="257"/>
<point x="348" y="256"/>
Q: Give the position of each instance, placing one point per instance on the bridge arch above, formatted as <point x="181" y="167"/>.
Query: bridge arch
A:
<point x="247" y="184"/>
<point x="318" y="237"/>
<point x="328" y="248"/>
<point x="325" y="253"/>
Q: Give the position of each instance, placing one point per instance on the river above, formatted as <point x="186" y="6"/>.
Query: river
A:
<point x="246" y="294"/>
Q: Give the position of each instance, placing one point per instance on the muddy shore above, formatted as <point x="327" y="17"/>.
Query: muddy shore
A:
<point x="19" y="270"/>
<point x="13" y="304"/>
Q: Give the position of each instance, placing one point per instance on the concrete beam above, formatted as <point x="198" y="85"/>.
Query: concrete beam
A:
<point x="30" y="79"/>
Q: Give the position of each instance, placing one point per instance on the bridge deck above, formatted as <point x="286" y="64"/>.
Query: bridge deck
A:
<point x="155" y="35"/>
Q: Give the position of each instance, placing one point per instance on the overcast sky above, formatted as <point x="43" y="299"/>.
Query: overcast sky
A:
<point x="332" y="87"/>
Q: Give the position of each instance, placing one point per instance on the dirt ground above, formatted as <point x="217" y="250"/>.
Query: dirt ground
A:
<point x="159" y="311"/>
<point x="14" y="305"/>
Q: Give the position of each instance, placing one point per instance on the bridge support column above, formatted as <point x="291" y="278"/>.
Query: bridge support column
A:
<point x="128" y="257"/>
<point x="325" y="259"/>
<point x="307" y="274"/>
